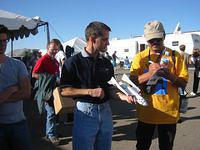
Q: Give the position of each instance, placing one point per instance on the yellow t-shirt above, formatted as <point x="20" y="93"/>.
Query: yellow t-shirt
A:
<point x="163" y="105"/>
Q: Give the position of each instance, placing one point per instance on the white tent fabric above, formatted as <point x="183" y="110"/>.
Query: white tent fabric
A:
<point x="18" y="26"/>
<point x="77" y="43"/>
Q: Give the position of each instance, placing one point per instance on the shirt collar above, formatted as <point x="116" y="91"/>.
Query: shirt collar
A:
<point x="49" y="57"/>
<point x="84" y="53"/>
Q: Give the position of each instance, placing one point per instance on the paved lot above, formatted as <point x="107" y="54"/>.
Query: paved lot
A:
<point x="187" y="137"/>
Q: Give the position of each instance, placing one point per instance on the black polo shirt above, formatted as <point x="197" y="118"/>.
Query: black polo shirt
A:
<point x="85" y="72"/>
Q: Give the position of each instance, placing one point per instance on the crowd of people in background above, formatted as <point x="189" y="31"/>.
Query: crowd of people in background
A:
<point x="84" y="76"/>
<point x="30" y="59"/>
<point x="195" y="60"/>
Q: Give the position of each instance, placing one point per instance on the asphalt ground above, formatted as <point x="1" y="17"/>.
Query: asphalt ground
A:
<point x="125" y="122"/>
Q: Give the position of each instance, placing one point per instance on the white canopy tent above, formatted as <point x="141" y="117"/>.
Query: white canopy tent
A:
<point x="77" y="43"/>
<point x="20" y="26"/>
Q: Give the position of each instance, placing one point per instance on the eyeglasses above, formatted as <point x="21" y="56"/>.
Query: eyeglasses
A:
<point x="55" y="49"/>
<point x="156" y="40"/>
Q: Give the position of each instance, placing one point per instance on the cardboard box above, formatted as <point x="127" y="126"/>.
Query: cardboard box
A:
<point x="62" y="104"/>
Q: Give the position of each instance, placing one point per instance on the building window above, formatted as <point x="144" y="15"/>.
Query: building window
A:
<point x="175" y="43"/>
<point x="142" y="47"/>
<point x="126" y="50"/>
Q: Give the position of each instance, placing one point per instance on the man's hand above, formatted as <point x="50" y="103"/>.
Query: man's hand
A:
<point x="35" y="75"/>
<point x="131" y="99"/>
<point x="7" y="93"/>
<point x="163" y="72"/>
<point x="98" y="92"/>
<point x="24" y="91"/>
<point x="154" y="67"/>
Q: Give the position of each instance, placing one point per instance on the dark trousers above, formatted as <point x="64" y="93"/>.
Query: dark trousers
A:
<point x="145" y="132"/>
<point x="195" y="82"/>
<point x="15" y="136"/>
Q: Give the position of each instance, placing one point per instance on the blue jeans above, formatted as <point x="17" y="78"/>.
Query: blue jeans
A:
<point x="51" y="119"/>
<point x="15" y="136"/>
<point x="93" y="126"/>
<point x="183" y="100"/>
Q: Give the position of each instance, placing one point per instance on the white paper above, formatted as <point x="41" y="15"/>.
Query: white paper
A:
<point x="127" y="89"/>
<point x="126" y="79"/>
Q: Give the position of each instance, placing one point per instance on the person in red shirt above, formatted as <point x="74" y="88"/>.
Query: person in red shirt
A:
<point x="48" y="64"/>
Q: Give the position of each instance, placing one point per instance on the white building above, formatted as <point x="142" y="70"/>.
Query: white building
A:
<point x="130" y="47"/>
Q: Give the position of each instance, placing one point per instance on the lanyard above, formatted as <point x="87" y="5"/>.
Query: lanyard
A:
<point x="158" y="58"/>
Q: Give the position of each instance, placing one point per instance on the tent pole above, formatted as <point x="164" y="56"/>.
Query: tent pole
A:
<point x="11" y="44"/>
<point x="48" y="34"/>
<point x="42" y="23"/>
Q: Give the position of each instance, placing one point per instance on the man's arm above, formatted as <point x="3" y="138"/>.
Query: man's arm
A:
<point x="35" y="75"/>
<point x="179" y="82"/>
<point x="128" y="98"/>
<point x="190" y="59"/>
<point x="17" y="93"/>
<point x="73" y="92"/>
<point x="143" y="78"/>
<point x="5" y="94"/>
<point x="97" y="92"/>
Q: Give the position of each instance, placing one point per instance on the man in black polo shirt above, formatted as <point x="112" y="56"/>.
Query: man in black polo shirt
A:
<point x="84" y="77"/>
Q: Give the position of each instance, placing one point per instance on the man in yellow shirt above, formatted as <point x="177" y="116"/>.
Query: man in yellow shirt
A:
<point x="159" y="83"/>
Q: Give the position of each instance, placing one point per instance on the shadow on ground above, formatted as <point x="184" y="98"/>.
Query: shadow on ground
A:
<point x="36" y="125"/>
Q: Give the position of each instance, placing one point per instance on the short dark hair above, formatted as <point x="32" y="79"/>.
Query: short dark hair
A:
<point x="182" y="47"/>
<point x="56" y="41"/>
<point x="95" y="29"/>
<point x="3" y="30"/>
<point x="196" y="52"/>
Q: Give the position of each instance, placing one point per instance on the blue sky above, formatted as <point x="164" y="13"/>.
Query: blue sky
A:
<point x="126" y="17"/>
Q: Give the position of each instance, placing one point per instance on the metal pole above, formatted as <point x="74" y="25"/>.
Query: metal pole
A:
<point x="42" y="23"/>
<point x="11" y="45"/>
<point x="48" y="34"/>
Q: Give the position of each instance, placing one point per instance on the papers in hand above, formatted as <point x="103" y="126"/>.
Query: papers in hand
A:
<point x="129" y="88"/>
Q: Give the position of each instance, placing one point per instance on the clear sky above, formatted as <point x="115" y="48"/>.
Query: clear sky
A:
<point x="68" y="18"/>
